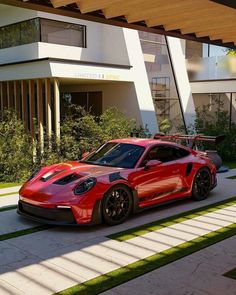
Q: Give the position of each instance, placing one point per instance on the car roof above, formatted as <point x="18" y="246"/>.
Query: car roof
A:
<point x="145" y="142"/>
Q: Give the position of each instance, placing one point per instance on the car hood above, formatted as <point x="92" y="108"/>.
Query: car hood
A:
<point x="68" y="173"/>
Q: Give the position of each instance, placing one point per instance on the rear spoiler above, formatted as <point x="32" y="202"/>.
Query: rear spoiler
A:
<point x="190" y="139"/>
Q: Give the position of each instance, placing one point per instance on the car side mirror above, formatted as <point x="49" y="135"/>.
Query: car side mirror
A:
<point x="152" y="163"/>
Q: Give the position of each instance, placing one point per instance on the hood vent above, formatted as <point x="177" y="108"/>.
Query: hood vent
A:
<point x="49" y="175"/>
<point x="67" y="179"/>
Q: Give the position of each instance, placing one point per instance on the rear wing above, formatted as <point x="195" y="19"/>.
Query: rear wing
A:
<point x="191" y="140"/>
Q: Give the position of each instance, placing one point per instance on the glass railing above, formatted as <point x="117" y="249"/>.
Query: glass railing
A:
<point x="211" y="68"/>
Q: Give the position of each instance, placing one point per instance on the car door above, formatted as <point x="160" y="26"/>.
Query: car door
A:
<point x="161" y="182"/>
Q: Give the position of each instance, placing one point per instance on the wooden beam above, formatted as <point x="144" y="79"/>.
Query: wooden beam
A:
<point x="24" y="99"/>
<point x="17" y="101"/>
<point x="138" y="9"/>
<point x="48" y="107"/>
<point x="32" y="107"/>
<point x="122" y="7"/>
<point x="4" y="95"/>
<point x="224" y="29"/>
<point x="227" y="35"/>
<point x="86" y="6"/>
<point x="192" y="26"/>
<point x="191" y="16"/>
<point x="59" y="3"/>
<point x="227" y="40"/>
<point x="40" y="113"/>
<point x="170" y="9"/>
<point x="1" y="98"/>
<point x="10" y="90"/>
<point x="75" y="13"/>
<point x="57" y="108"/>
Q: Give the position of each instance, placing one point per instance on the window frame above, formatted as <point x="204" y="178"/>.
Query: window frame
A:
<point x="142" y="164"/>
<point x="39" y="33"/>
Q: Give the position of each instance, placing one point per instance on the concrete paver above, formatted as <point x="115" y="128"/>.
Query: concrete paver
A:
<point x="10" y="221"/>
<point x="198" y="274"/>
<point x="55" y="259"/>
<point x="8" y="190"/>
<point x="9" y="200"/>
<point x="83" y="261"/>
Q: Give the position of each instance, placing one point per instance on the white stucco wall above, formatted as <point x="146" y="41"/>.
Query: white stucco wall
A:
<point x="182" y="81"/>
<point x="119" y="94"/>
<point x="11" y="14"/>
<point x="99" y="48"/>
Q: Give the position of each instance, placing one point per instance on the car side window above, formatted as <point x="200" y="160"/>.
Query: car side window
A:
<point x="165" y="154"/>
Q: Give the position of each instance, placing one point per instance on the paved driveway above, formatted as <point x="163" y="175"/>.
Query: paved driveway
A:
<point x="51" y="260"/>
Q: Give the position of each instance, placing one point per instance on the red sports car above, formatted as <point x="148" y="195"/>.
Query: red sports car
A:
<point x="121" y="177"/>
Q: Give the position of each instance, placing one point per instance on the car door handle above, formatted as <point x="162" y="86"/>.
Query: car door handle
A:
<point x="175" y="171"/>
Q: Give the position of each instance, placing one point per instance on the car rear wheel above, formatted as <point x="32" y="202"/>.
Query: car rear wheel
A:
<point x="201" y="184"/>
<point x="117" y="205"/>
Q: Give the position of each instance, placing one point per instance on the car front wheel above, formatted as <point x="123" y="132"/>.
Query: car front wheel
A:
<point x="117" y="205"/>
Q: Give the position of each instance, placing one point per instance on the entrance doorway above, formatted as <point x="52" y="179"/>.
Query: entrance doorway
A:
<point x="90" y="101"/>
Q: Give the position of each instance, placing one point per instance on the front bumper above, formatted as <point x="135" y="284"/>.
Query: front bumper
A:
<point x="63" y="216"/>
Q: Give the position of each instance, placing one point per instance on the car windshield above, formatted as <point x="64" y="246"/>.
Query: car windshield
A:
<point x="113" y="154"/>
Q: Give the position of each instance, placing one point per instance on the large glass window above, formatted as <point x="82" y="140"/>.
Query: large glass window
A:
<point x="20" y="33"/>
<point x="162" y="82"/>
<point x="42" y="30"/>
<point x="62" y="33"/>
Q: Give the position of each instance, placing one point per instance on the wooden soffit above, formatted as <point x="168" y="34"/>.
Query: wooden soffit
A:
<point x="205" y="21"/>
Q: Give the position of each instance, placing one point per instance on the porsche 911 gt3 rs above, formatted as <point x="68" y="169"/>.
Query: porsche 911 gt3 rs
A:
<point x="121" y="177"/>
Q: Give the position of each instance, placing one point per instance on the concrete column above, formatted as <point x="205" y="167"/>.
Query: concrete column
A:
<point x="142" y="92"/>
<point x="24" y="98"/>
<point x="57" y="108"/>
<point x="32" y="107"/>
<point x="48" y="107"/>
<point x="10" y="101"/>
<point x="17" y="102"/>
<point x="40" y="112"/>
<point x="182" y="82"/>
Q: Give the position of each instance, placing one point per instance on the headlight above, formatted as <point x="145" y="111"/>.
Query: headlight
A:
<point x="85" y="186"/>
<point x="36" y="171"/>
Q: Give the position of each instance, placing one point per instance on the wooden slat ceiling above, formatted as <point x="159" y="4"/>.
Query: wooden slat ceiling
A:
<point x="201" y="20"/>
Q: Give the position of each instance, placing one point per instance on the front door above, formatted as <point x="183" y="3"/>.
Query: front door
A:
<point x="158" y="183"/>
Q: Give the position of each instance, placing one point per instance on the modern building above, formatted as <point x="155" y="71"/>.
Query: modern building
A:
<point x="47" y="59"/>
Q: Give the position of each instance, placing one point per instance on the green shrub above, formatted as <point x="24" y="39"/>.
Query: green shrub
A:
<point x="16" y="149"/>
<point x="115" y="124"/>
<point x="80" y="132"/>
<point x="216" y="124"/>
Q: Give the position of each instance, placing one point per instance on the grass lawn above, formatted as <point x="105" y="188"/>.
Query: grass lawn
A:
<point x="232" y="177"/>
<point x="231" y="274"/>
<point x="230" y="165"/>
<point x="8" y="184"/>
<point x="121" y="275"/>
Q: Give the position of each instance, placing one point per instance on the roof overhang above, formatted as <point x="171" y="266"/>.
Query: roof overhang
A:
<point x="207" y="21"/>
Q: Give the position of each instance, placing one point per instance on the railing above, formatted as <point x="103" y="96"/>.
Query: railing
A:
<point x="211" y="68"/>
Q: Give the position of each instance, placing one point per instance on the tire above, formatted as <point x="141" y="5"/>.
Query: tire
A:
<point x="117" y="204"/>
<point x="201" y="184"/>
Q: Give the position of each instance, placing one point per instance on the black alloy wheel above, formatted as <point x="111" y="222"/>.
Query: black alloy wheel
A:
<point x="117" y="205"/>
<point x="201" y="184"/>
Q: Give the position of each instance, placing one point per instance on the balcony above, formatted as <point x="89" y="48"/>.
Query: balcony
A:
<point x="211" y="68"/>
